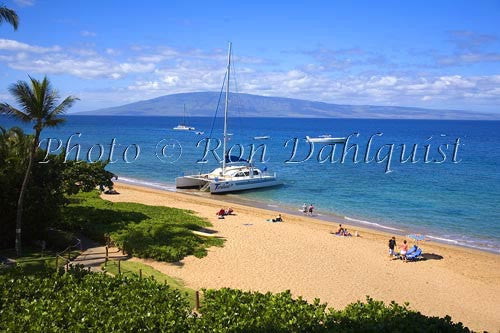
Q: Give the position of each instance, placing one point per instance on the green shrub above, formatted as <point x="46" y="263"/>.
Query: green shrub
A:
<point x="229" y="310"/>
<point x="79" y="301"/>
<point x="89" y="302"/>
<point x="375" y="316"/>
<point x="157" y="232"/>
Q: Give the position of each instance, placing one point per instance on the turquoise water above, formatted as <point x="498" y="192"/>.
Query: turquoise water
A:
<point x="458" y="203"/>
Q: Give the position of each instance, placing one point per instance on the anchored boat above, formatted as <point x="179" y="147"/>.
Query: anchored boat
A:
<point x="235" y="174"/>
<point x="182" y="126"/>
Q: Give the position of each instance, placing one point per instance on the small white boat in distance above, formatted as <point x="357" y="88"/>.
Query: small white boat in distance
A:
<point x="182" y="126"/>
<point x="263" y="137"/>
<point x="234" y="174"/>
<point x="325" y="139"/>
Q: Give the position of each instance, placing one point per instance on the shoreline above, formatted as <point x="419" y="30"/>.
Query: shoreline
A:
<point x="301" y="255"/>
<point x="328" y="217"/>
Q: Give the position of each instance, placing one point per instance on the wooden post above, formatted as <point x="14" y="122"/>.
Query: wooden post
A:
<point x="119" y="267"/>
<point x="140" y="274"/>
<point x="197" y="301"/>
<point x="123" y="251"/>
<point x="106" y="262"/>
<point x="57" y="263"/>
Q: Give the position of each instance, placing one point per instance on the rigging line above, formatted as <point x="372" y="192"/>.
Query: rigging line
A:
<point x="215" y="115"/>
<point x="238" y="100"/>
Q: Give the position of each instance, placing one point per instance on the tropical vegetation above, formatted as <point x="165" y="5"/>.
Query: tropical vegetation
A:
<point x="156" y="232"/>
<point x="48" y="189"/>
<point x="40" y="107"/>
<point x="8" y="15"/>
<point x="79" y="301"/>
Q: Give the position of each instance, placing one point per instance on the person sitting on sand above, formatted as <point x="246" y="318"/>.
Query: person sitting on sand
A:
<point x="392" y="245"/>
<point x="404" y="249"/>
<point x="228" y="211"/>
<point x="346" y="233"/>
<point x="221" y="213"/>
<point x="340" y="230"/>
<point x="278" y="218"/>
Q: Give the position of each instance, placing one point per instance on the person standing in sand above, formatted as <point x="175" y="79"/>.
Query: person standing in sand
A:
<point x="392" y="246"/>
<point x="404" y="249"/>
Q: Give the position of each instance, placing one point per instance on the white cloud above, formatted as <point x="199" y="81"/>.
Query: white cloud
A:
<point x="13" y="45"/>
<point x="148" y="72"/>
<point x="86" y="33"/>
<point x="24" y="3"/>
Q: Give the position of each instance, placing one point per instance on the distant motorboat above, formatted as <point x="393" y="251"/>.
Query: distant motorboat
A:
<point x="263" y="137"/>
<point x="182" y="126"/>
<point x="325" y="138"/>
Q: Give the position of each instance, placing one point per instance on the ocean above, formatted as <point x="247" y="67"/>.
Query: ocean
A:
<point x="446" y="185"/>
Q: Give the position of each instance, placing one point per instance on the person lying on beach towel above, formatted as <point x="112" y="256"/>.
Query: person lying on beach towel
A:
<point x="277" y="219"/>
<point x="228" y="211"/>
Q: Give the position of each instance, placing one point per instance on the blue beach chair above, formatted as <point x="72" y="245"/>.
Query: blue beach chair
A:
<point x="414" y="256"/>
<point x="411" y="250"/>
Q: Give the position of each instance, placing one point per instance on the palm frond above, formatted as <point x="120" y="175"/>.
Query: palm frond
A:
<point x="15" y="113"/>
<point x="9" y="16"/>
<point x="66" y="104"/>
<point x="25" y="97"/>
<point x="54" y="122"/>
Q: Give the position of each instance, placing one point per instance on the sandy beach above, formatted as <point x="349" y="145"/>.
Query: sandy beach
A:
<point x="300" y="254"/>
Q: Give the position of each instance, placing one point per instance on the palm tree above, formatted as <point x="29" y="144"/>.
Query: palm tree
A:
<point x="9" y="16"/>
<point x="38" y="106"/>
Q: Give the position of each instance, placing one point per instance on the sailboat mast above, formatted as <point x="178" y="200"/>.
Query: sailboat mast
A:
<point x="184" y="116"/>
<point x="226" y="108"/>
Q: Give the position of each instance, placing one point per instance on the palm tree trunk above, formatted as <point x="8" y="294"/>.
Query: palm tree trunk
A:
<point x="20" y="201"/>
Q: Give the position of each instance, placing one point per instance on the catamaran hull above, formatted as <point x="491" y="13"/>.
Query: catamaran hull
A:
<point x="242" y="185"/>
<point x="217" y="187"/>
<point x="189" y="182"/>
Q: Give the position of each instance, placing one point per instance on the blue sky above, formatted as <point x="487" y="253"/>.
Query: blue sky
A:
<point x="435" y="54"/>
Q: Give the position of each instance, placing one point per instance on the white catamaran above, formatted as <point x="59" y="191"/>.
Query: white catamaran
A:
<point x="182" y="126"/>
<point x="235" y="174"/>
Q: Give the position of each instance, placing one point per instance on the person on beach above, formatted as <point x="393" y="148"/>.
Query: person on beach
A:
<point x="220" y="214"/>
<point x="404" y="249"/>
<point x="311" y="208"/>
<point x="392" y="245"/>
<point x="340" y="230"/>
<point x="304" y="208"/>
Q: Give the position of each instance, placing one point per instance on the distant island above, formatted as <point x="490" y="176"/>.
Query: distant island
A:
<point x="203" y="104"/>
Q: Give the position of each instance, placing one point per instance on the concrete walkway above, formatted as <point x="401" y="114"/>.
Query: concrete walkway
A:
<point x="94" y="255"/>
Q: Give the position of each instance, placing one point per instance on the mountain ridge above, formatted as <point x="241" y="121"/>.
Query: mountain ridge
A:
<point x="246" y="105"/>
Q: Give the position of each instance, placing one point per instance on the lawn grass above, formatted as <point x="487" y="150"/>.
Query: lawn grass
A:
<point x="156" y="232"/>
<point x="33" y="260"/>
<point x="131" y="268"/>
